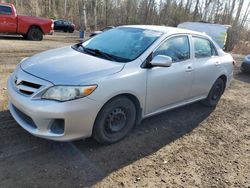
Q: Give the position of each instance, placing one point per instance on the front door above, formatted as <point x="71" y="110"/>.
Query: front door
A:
<point x="170" y="86"/>
<point x="7" y="20"/>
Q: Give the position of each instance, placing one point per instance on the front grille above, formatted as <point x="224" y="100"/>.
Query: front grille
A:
<point x="29" y="84"/>
<point x="25" y="87"/>
<point x="25" y="118"/>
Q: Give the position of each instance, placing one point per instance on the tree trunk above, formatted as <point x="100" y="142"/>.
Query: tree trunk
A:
<point x="65" y="8"/>
<point x="84" y="15"/>
<point x="106" y="12"/>
<point x="95" y="14"/>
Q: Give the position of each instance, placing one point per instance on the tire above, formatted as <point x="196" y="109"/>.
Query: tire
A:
<point x="243" y="70"/>
<point x="114" y="121"/>
<point x="35" y="34"/>
<point x="215" y="93"/>
<point x="71" y="30"/>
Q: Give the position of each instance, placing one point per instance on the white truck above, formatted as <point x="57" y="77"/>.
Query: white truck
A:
<point x="218" y="32"/>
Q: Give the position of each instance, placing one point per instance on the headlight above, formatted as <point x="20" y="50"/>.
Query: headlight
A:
<point x="66" y="93"/>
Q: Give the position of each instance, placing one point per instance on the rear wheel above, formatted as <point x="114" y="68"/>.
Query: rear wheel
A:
<point x="71" y="30"/>
<point x="114" y="121"/>
<point x="215" y="93"/>
<point x="35" y="34"/>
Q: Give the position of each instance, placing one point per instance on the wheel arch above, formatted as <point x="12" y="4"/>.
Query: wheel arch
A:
<point x="134" y="99"/>
<point x="224" y="78"/>
<point x="35" y="26"/>
<point x="137" y="104"/>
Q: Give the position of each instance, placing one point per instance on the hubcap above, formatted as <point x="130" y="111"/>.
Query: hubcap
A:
<point x="35" y="35"/>
<point x="116" y="120"/>
<point x="217" y="92"/>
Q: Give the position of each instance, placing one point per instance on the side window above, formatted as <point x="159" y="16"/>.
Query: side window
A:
<point x="176" y="47"/>
<point x="5" y="10"/>
<point x="203" y="48"/>
<point x="58" y="22"/>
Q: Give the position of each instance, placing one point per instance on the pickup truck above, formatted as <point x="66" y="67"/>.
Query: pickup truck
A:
<point x="31" y="28"/>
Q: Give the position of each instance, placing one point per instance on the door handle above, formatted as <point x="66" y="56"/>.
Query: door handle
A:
<point x="189" y="69"/>
<point x="217" y="63"/>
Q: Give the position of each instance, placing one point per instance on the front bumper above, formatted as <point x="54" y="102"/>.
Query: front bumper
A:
<point x="51" y="32"/>
<point x="37" y="116"/>
<point x="245" y="66"/>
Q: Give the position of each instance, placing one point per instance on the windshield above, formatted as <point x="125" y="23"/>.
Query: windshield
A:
<point x="123" y="44"/>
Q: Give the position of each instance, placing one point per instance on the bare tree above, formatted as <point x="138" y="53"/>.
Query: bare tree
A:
<point x="95" y="14"/>
<point x="65" y="7"/>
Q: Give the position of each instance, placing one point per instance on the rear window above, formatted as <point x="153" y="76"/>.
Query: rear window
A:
<point x="5" y="10"/>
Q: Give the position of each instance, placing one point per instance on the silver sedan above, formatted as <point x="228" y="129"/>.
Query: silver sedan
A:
<point x="107" y="84"/>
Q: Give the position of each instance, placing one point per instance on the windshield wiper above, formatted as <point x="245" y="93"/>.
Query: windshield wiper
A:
<point x="95" y="52"/>
<point x="105" y="55"/>
<point x="99" y="53"/>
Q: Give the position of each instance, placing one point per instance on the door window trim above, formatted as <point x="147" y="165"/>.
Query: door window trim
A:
<point x="211" y="43"/>
<point x="4" y="13"/>
<point x="173" y="36"/>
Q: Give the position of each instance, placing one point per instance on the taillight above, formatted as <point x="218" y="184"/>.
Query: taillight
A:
<point x="52" y="24"/>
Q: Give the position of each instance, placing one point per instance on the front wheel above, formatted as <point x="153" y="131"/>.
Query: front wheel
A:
<point x="114" y="121"/>
<point x="215" y="93"/>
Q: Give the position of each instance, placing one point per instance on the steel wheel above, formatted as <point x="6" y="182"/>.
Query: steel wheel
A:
<point x="115" y="120"/>
<point x="215" y="93"/>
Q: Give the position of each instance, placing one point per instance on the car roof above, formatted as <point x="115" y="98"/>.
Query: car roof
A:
<point x="164" y="29"/>
<point x="63" y="20"/>
<point x="6" y="4"/>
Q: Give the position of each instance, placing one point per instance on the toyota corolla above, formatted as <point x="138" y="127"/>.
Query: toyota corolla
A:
<point x="104" y="86"/>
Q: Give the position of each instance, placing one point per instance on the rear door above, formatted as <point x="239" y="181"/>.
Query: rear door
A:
<point x="58" y="25"/>
<point x="7" y="19"/>
<point x="206" y="65"/>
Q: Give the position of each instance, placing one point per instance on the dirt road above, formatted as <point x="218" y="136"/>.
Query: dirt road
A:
<point x="192" y="146"/>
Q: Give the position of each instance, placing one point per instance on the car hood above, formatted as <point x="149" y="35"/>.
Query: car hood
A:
<point x="66" y="66"/>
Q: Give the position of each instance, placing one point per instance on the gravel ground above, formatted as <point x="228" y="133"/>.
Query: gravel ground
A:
<point x="192" y="146"/>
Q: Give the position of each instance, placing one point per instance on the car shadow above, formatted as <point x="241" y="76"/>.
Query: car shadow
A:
<point x="147" y="138"/>
<point x="84" y="163"/>
<point x="11" y="37"/>
<point x="242" y="76"/>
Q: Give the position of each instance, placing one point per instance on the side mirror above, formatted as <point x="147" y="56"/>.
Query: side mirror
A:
<point x="161" y="61"/>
